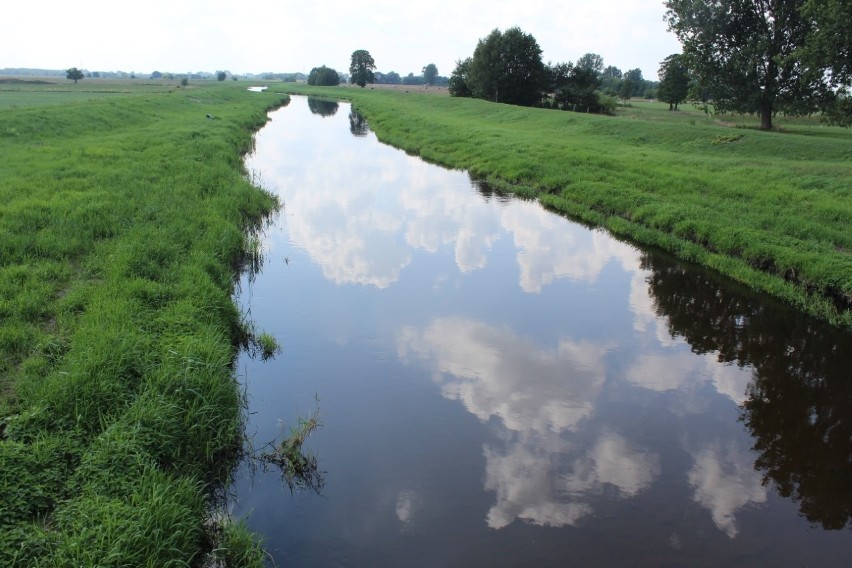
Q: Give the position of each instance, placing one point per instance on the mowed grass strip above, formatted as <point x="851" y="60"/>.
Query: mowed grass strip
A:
<point x="122" y="226"/>
<point x="769" y="209"/>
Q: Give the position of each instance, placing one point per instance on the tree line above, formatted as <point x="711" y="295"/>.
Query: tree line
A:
<point x="745" y="56"/>
<point x="362" y="71"/>
<point x="507" y="67"/>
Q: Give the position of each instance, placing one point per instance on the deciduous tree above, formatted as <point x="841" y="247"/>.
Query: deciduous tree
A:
<point x="74" y="74"/>
<point x="636" y="79"/>
<point x="831" y="39"/>
<point x="458" y="86"/>
<point x="361" y="68"/>
<point x="507" y="68"/>
<point x="748" y="54"/>
<point x="591" y="61"/>
<point x="429" y="74"/>
<point x="323" y="77"/>
<point x="674" y="80"/>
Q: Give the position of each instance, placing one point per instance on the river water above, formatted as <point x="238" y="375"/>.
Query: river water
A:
<point x="500" y="386"/>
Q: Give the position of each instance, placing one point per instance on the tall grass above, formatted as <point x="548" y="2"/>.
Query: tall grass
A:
<point x="770" y="209"/>
<point x="122" y="226"/>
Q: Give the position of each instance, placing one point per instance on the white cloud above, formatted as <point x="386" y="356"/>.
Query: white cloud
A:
<point x="550" y="249"/>
<point x="523" y="481"/>
<point x="724" y="481"/>
<point x="612" y="461"/>
<point x="680" y="369"/>
<point x="539" y="397"/>
<point x="529" y="487"/>
<point x="497" y="374"/>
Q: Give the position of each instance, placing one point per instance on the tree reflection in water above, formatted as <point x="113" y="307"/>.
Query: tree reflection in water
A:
<point x="322" y="107"/>
<point x="799" y="405"/>
<point x="358" y="124"/>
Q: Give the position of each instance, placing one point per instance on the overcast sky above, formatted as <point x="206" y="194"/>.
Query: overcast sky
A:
<point x="253" y="36"/>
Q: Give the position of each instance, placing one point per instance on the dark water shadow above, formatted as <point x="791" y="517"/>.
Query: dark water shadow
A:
<point x="799" y="405"/>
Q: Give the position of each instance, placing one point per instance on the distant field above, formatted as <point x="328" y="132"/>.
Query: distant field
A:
<point x="26" y="92"/>
<point x="770" y="209"/>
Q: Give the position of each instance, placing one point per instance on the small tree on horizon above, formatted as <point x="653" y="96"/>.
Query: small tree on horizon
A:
<point x="74" y="74"/>
<point x="429" y="73"/>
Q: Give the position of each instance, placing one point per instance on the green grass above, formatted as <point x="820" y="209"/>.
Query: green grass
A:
<point x="27" y="92"/>
<point x="123" y="221"/>
<point x="769" y="209"/>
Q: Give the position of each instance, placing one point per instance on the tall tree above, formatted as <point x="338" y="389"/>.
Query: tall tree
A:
<point x="507" y="68"/>
<point x="429" y="74"/>
<point x="577" y="88"/>
<point x="627" y="88"/>
<point x="746" y="54"/>
<point x="830" y="45"/>
<point x="674" y="80"/>
<point x="74" y="74"/>
<point x="361" y="68"/>
<point x="611" y="72"/>
<point x="831" y="41"/>
<point x="636" y="79"/>
<point x="458" y="86"/>
<point x="591" y="61"/>
<point x="611" y="79"/>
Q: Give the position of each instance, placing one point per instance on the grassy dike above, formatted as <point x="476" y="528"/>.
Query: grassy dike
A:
<point x="122" y="226"/>
<point x="771" y="210"/>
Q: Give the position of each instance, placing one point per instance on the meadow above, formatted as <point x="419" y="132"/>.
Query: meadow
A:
<point x="125" y="216"/>
<point x="772" y="210"/>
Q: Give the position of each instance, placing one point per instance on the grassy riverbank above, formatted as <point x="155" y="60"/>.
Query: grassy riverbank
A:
<point x="123" y="220"/>
<point x="772" y="210"/>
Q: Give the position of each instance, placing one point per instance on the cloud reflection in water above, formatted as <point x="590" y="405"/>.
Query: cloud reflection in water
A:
<point x="542" y="476"/>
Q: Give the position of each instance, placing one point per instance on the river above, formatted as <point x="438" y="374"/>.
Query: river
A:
<point x="501" y="386"/>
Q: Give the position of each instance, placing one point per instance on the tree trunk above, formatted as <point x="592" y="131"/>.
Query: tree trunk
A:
<point x="766" y="116"/>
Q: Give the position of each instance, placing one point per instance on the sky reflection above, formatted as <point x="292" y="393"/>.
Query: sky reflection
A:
<point x="489" y="368"/>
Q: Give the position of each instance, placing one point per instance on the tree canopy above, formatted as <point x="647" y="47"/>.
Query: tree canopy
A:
<point x="74" y="74"/>
<point x="458" y="79"/>
<point x="430" y="72"/>
<point x="831" y="40"/>
<point x="674" y="80"/>
<point x="506" y="67"/>
<point x="323" y="77"/>
<point x="361" y="68"/>
<point x="754" y="55"/>
<point x="592" y="62"/>
<point x="574" y="87"/>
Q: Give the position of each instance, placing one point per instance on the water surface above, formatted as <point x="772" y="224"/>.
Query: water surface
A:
<point x="500" y="386"/>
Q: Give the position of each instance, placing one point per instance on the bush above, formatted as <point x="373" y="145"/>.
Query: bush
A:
<point x="607" y="103"/>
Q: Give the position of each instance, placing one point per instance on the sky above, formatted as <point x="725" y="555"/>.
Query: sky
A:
<point x="255" y="36"/>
